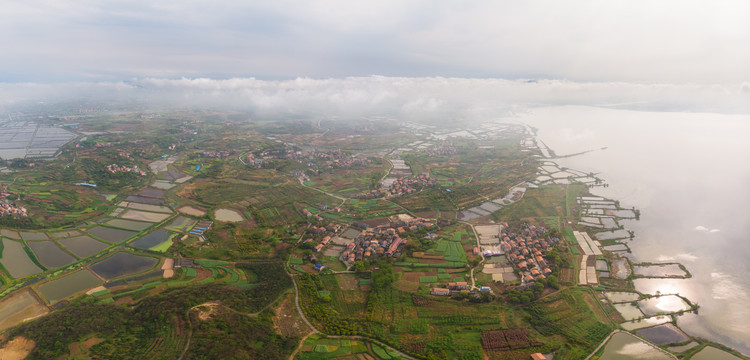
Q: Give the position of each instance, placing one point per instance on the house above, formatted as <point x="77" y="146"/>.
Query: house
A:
<point x="538" y="356"/>
<point x="460" y="285"/>
<point x="319" y="267"/>
<point x="440" y="292"/>
<point x="485" y="289"/>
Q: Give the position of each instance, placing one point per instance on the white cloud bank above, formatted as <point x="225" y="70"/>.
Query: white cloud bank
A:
<point x="406" y="98"/>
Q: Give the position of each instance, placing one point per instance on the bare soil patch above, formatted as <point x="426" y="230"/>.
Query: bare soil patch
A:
<point x="207" y="310"/>
<point x="17" y="349"/>
<point x="287" y="320"/>
<point x="228" y="215"/>
<point x="202" y="274"/>
<point x="347" y="282"/>
<point x="82" y="347"/>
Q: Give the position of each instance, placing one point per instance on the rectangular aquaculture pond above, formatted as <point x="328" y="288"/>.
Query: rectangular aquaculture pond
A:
<point x="153" y="240"/>
<point x="110" y="234"/>
<point x="83" y="246"/>
<point x="16" y="260"/>
<point x="68" y="285"/>
<point x="123" y="264"/>
<point x="50" y="255"/>
<point x="129" y="224"/>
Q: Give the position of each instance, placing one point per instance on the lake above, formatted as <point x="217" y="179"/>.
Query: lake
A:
<point x="688" y="174"/>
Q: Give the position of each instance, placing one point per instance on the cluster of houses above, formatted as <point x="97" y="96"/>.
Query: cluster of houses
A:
<point x="217" y="153"/>
<point x="401" y="186"/>
<point x="114" y="168"/>
<point x="8" y="208"/>
<point x="444" y="148"/>
<point x="321" y="207"/>
<point x="455" y="288"/>
<point x="322" y="235"/>
<point x="526" y="251"/>
<point x="383" y="240"/>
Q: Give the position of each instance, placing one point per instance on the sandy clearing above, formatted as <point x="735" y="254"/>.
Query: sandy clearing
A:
<point x="227" y="215"/>
<point x="17" y="349"/>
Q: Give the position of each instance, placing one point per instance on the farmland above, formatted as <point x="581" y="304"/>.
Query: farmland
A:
<point x="152" y="265"/>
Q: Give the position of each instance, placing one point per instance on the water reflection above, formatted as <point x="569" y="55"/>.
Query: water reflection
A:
<point x="688" y="176"/>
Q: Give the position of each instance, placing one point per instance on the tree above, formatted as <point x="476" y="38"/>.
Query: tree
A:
<point x="552" y="282"/>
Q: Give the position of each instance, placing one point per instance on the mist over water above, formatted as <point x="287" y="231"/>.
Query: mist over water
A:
<point x="688" y="173"/>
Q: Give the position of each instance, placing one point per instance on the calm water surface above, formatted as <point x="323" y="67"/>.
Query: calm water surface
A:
<point x="689" y="174"/>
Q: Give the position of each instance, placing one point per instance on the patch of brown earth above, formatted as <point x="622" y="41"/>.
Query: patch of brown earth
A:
<point x="82" y="347"/>
<point x="123" y="300"/>
<point x="287" y="320"/>
<point x="207" y="310"/>
<point x="202" y="274"/>
<point x="17" y="349"/>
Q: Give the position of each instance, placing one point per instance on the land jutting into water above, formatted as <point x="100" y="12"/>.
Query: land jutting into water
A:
<point x="205" y="234"/>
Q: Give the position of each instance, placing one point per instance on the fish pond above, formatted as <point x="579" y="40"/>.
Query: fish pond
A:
<point x="50" y="255"/>
<point x="646" y="322"/>
<point x="110" y="234"/>
<point x="129" y="224"/>
<point x="602" y="265"/>
<point x="143" y="215"/>
<point x="83" y="246"/>
<point x="621" y="296"/>
<point x="624" y="346"/>
<point x="122" y="264"/>
<point x="663" y="334"/>
<point x="34" y="236"/>
<point x="628" y="311"/>
<point x="663" y="305"/>
<point x="16" y="260"/>
<point x="662" y="270"/>
<point x="712" y="353"/>
<point x="153" y="239"/>
<point x="181" y="224"/>
<point x="68" y="285"/>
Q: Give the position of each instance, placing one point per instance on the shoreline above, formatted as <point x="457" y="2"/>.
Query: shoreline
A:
<point x="548" y="177"/>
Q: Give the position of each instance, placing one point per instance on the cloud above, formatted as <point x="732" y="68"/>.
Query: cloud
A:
<point x="682" y="257"/>
<point x="705" y="229"/>
<point x="433" y="98"/>
<point x="630" y="41"/>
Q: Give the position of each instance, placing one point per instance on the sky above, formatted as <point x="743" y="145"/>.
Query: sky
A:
<point x="664" y="42"/>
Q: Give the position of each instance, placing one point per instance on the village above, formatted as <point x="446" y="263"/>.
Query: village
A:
<point x="8" y="208"/>
<point x="401" y="186"/>
<point x="114" y="168"/>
